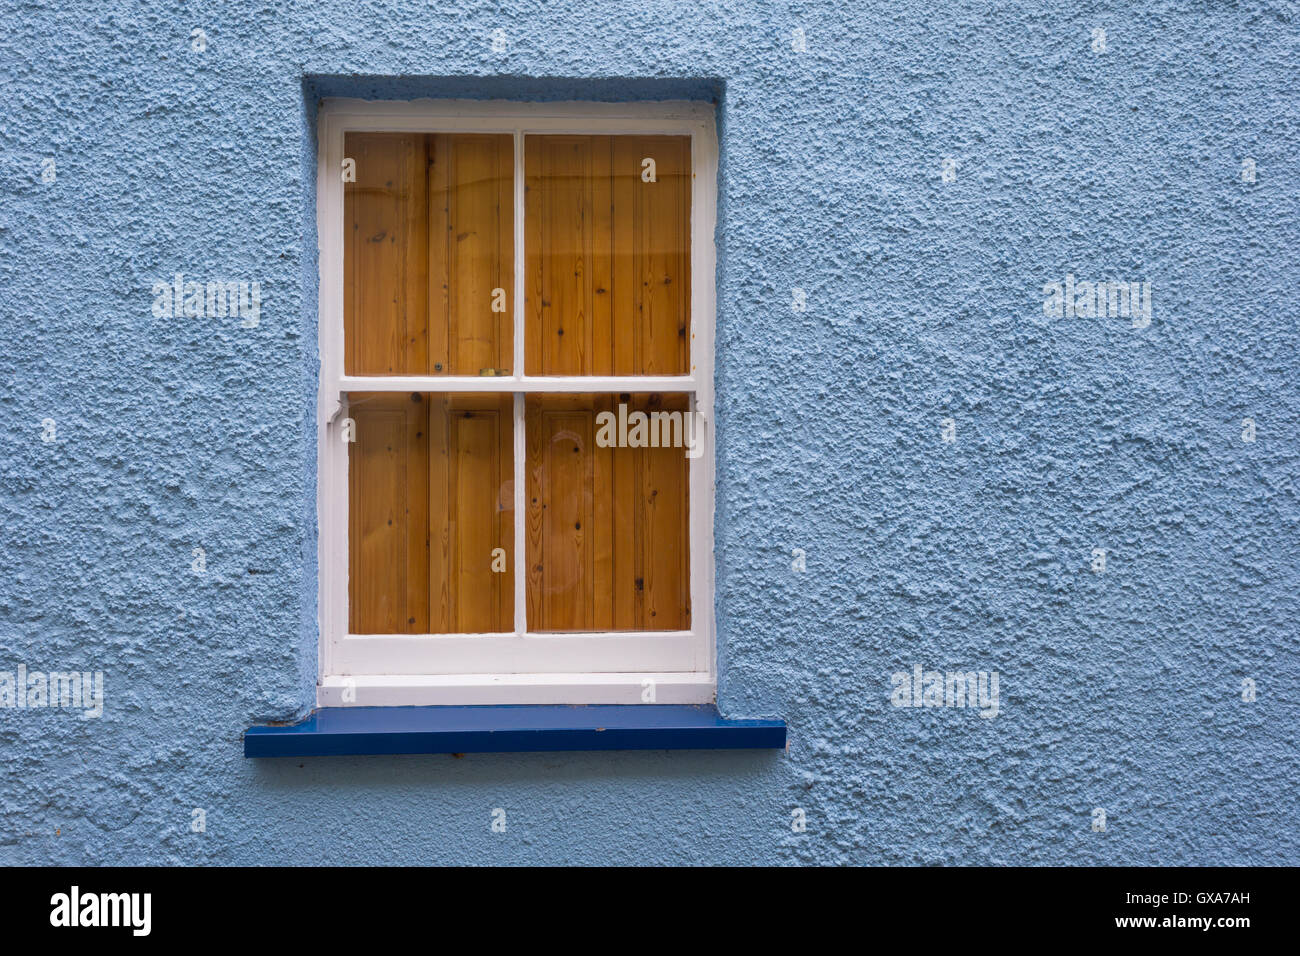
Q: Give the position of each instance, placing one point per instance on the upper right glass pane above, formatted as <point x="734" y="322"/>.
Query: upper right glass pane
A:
<point x="608" y="255"/>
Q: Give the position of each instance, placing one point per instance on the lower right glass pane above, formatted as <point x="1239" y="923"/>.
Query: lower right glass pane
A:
<point x="608" y="516"/>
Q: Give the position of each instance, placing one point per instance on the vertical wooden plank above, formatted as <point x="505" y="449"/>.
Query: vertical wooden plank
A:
<point x="601" y="272"/>
<point x="388" y="519"/>
<point x="455" y="599"/>
<point x="564" y="523"/>
<point x="662" y="265"/>
<point x="471" y="504"/>
<point x="505" y="511"/>
<point x="685" y="178"/>
<point x="413" y="358"/>
<point x="560" y="241"/>
<point x="373" y="559"/>
<point x="415" y="501"/>
<point x="441" y="516"/>
<point x="478" y="468"/>
<point x="538" y="488"/>
<point x="536" y="286"/>
<point x="625" y="311"/>
<point x="505" y="249"/>
<point x="439" y="177"/>
<point x="385" y="292"/>
<point x="663" y="507"/>
<point x="480" y="237"/>
<point x="602" y="535"/>
<point x="416" y="497"/>
<point x="567" y="241"/>
<point x="626" y="584"/>
<point x="564" y="514"/>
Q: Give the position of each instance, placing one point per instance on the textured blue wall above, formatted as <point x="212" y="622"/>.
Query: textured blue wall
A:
<point x="1120" y="690"/>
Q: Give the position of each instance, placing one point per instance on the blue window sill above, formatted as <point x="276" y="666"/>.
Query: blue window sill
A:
<point x="336" y="731"/>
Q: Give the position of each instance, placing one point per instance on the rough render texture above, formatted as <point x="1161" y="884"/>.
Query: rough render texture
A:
<point x="1120" y="690"/>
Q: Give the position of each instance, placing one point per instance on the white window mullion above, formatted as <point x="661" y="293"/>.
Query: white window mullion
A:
<point x="521" y="523"/>
<point x="518" y="310"/>
<point x="520" y="485"/>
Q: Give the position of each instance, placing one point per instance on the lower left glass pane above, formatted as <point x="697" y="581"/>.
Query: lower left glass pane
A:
<point x="430" y="513"/>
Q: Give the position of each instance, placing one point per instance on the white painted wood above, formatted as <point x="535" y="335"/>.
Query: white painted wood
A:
<point x="331" y="478"/>
<point x="386" y="690"/>
<point x="521" y="524"/>
<point x="520" y="469"/>
<point x="518" y="667"/>
<point x="668" y="116"/>
<point x="534" y="653"/>
<point x="509" y="383"/>
<point x="704" y="217"/>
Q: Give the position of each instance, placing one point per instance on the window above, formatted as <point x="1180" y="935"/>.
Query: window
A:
<point x="516" y="332"/>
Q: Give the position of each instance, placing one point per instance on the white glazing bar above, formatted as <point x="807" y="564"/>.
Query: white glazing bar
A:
<point x="511" y="383"/>
<point x="521" y="491"/>
<point x="518" y="311"/>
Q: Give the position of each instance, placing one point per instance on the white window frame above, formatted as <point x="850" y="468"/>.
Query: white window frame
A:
<point x="519" y="667"/>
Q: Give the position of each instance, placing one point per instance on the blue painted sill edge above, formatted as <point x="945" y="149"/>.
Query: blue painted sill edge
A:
<point x="337" y="731"/>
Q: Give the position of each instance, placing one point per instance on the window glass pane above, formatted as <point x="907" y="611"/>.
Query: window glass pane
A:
<point x="431" y="507"/>
<point x="428" y="254"/>
<point x="608" y="537"/>
<point x="607" y="235"/>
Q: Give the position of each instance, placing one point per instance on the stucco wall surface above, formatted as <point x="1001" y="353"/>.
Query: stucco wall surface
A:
<point x="1120" y="690"/>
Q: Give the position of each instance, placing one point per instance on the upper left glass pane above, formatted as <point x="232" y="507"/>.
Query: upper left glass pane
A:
<point x="428" y="253"/>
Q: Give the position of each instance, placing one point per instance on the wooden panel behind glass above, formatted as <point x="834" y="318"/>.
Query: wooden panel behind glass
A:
<point x="607" y="255"/>
<point x="428" y="241"/>
<point x="607" y="533"/>
<point x="431" y="496"/>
